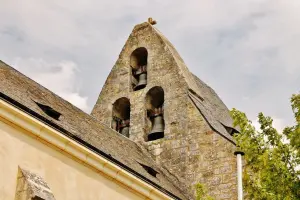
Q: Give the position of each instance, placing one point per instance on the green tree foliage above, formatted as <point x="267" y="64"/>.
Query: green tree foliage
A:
<point x="272" y="159"/>
<point x="201" y="192"/>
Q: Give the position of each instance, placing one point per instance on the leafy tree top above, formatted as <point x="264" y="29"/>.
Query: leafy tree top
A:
<point x="272" y="159"/>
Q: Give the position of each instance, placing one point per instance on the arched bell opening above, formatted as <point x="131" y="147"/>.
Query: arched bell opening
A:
<point x="138" y="63"/>
<point x="121" y="116"/>
<point x="155" y="113"/>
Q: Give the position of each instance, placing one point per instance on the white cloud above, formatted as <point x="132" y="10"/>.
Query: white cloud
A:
<point x="242" y="49"/>
<point x="278" y="124"/>
<point x="57" y="77"/>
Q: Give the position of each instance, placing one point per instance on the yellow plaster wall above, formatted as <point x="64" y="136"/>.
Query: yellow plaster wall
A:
<point x="68" y="179"/>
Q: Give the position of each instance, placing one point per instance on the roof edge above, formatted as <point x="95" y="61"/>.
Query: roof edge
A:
<point x="52" y="127"/>
<point x="230" y="139"/>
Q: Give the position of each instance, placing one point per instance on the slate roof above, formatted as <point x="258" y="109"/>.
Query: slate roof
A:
<point x="205" y="98"/>
<point x="24" y="93"/>
<point x="213" y="109"/>
<point x="32" y="184"/>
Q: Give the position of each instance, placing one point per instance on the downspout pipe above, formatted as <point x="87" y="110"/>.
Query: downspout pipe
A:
<point x="239" y="155"/>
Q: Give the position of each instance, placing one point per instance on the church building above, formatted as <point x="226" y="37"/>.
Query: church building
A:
<point x="155" y="132"/>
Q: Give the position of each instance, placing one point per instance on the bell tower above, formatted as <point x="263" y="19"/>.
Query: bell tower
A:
<point x="152" y="98"/>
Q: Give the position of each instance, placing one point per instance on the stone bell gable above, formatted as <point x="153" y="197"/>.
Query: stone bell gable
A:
<point x="147" y="48"/>
<point x="152" y="98"/>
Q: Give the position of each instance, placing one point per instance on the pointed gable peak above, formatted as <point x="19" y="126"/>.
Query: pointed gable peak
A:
<point x="168" y="46"/>
<point x="148" y="47"/>
<point x="213" y="109"/>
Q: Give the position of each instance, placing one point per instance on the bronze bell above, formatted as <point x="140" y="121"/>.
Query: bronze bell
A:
<point x="140" y="70"/>
<point x="125" y="131"/>
<point x="125" y="128"/>
<point x="142" y="81"/>
<point x="157" y="128"/>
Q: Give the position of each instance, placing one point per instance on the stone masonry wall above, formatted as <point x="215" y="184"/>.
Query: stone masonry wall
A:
<point x="198" y="155"/>
<point x="162" y="72"/>
<point x="191" y="151"/>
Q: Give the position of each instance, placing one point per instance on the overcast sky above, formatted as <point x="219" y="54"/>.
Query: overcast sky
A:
<point x="248" y="51"/>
